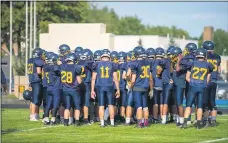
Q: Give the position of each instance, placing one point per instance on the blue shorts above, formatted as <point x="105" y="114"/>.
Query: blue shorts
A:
<point x="53" y="99"/>
<point x="166" y="92"/>
<point x="195" y="93"/>
<point x="36" y="93"/>
<point x="105" y="94"/>
<point x="209" y="96"/>
<point x="86" y="95"/>
<point x="179" y="92"/>
<point x="73" y="97"/>
<point x="140" y="98"/>
<point x="157" y="98"/>
<point x="130" y="100"/>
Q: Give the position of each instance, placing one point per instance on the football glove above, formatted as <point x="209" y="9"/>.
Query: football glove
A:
<point x="151" y="94"/>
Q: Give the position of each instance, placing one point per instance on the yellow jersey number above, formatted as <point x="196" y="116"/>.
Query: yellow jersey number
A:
<point x="83" y="75"/>
<point x="104" y="72"/>
<point x="195" y="72"/>
<point x="214" y="63"/>
<point x="46" y="74"/>
<point x="118" y="75"/>
<point x="145" y="73"/>
<point x="30" y="68"/>
<point x="66" y="77"/>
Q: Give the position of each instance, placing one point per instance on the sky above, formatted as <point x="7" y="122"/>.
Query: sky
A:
<point x="190" y="16"/>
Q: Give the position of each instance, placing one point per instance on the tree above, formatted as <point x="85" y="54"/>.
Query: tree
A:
<point x="221" y="41"/>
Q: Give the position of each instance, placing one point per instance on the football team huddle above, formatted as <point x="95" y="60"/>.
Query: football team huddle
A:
<point x="142" y="86"/>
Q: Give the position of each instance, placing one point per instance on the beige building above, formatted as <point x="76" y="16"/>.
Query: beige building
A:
<point x="94" y="37"/>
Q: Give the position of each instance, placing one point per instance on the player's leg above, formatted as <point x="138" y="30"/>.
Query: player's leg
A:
<point x="138" y="104"/>
<point x="101" y="102"/>
<point x="123" y="97"/>
<point x="179" y="91"/>
<point x="62" y="107"/>
<point x="48" y="108"/>
<point x="190" y="99"/>
<point x="56" y="104"/>
<point x="166" y="98"/>
<point x="44" y="96"/>
<point x="206" y="106"/>
<point x="110" y="99"/>
<point x="201" y="92"/>
<point x="77" y="105"/>
<point x="129" y="108"/>
<point x="86" y="104"/>
<point x="156" y="99"/>
<point x="36" y="89"/>
<point x="67" y="102"/>
<point x="145" y="108"/>
<point x="213" y="104"/>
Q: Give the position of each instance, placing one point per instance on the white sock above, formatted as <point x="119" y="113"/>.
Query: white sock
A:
<point x="46" y="119"/>
<point x="53" y="119"/>
<point x="37" y="116"/>
<point x="142" y="120"/>
<point x="178" y="119"/>
<point x="181" y="120"/>
<point x="102" y="122"/>
<point x="71" y="120"/>
<point x="112" y="121"/>
<point x="163" y="119"/>
<point x="128" y="120"/>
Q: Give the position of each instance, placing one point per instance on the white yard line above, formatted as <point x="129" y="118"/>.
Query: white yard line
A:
<point x="33" y="129"/>
<point x="211" y="141"/>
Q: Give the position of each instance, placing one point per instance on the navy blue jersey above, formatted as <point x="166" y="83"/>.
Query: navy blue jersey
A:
<point x="121" y="69"/>
<point x="215" y="60"/>
<point x="69" y="72"/>
<point x="87" y="70"/>
<point x="156" y="78"/>
<point x="53" y="76"/>
<point x="33" y="63"/>
<point x="199" y="71"/>
<point x="104" y="70"/>
<point x="166" y="76"/>
<point x="142" y="70"/>
<point x="44" y="75"/>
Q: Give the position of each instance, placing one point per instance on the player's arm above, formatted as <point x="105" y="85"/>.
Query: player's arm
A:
<point x="115" y="78"/>
<point x="151" y="81"/>
<point x="133" y="78"/>
<point x="94" y="76"/>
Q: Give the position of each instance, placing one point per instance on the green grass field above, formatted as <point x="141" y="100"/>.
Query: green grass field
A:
<point x="17" y="128"/>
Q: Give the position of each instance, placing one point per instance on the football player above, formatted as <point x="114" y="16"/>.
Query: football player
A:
<point x="64" y="49"/>
<point x="209" y="101"/>
<point x="71" y="82"/>
<point x="121" y="77"/>
<point x="35" y="65"/>
<point x="86" y="62"/>
<point x="198" y="77"/>
<point x="141" y="82"/>
<point x="130" y="102"/>
<point x="53" y="76"/>
<point x="189" y="56"/>
<point x="104" y="73"/>
<point x="179" y="76"/>
<point x="157" y="80"/>
<point x="167" y="86"/>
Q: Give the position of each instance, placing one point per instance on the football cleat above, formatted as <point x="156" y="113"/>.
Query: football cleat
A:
<point x="213" y="123"/>
<point x="184" y="126"/>
<point x="206" y="123"/>
<point x="66" y="124"/>
<point x="139" y="125"/>
<point x="199" y="125"/>
<point x="91" y="122"/>
<point x="52" y="123"/>
<point x="102" y="126"/>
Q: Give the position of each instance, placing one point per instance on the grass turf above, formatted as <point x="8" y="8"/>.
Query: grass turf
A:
<point x="17" y="128"/>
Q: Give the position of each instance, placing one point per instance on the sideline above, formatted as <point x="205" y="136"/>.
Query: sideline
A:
<point x="211" y="141"/>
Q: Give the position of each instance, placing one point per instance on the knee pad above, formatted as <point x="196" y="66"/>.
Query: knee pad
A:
<point x="145" y="109"/>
